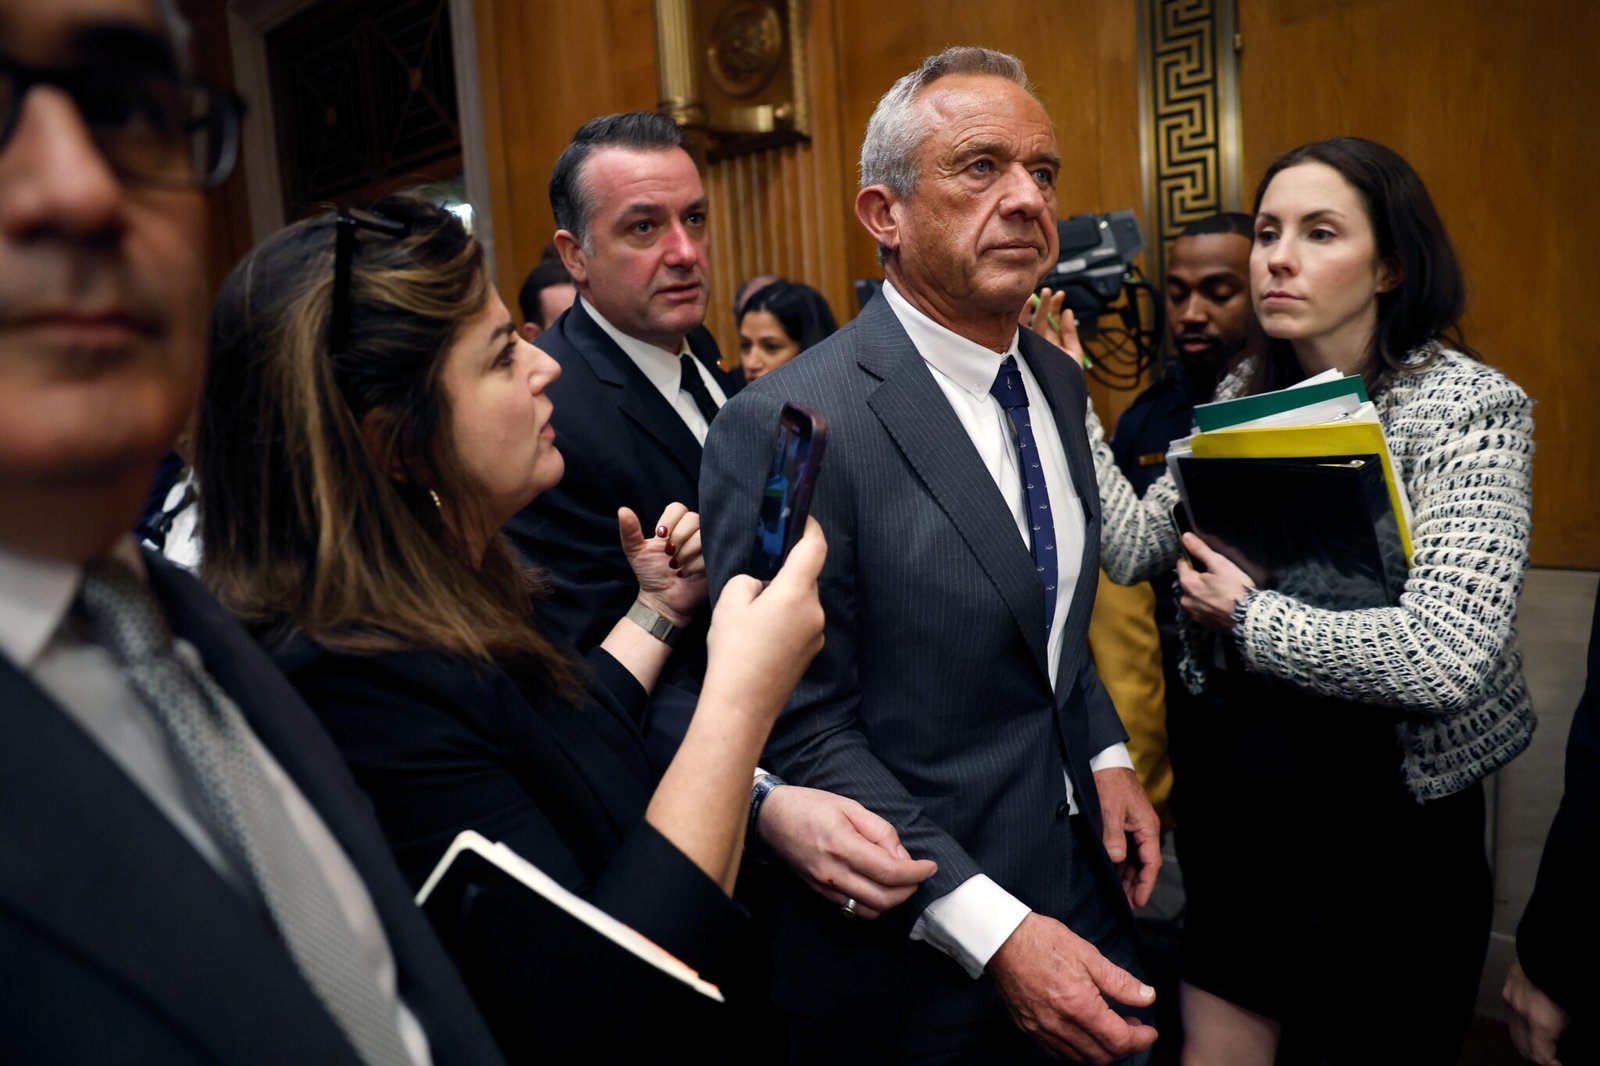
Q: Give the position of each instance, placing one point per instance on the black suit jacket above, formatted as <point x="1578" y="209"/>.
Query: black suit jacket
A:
<point x="1558" y="940"/>
<point x="120" y="944"/>
<point x="930" y="702"/>
<point x="442" y="745"/>
<point x="624" y="445"/>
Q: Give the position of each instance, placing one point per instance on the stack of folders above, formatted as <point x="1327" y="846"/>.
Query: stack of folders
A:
<point x="1299" y="489"/>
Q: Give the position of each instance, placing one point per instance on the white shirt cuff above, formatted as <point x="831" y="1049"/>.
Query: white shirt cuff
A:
<point x="1114" y="756"/>
<point x="971" y="923"/>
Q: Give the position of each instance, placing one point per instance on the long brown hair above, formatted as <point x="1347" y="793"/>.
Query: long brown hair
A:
<point x="309" y="523"/>
<point x="1426" y="306"/>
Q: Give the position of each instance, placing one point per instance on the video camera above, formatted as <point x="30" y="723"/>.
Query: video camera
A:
<point x="1097" y="251"/>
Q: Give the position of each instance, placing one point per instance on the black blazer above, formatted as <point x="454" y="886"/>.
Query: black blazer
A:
<point x="442" y="745"/>
<point x="120" y="944"/>
<point x="1558" y="940"/>
<point x="930" y="702"/>
<point x="624" y="445"/>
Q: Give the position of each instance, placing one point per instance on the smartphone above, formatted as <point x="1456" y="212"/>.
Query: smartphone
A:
<point x="797" y="450"/>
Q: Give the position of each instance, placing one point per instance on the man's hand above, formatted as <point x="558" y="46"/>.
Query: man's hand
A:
<point x="841" y="849"/>
<point x="1537" y="1021"/>
<point x="1053" y="980"/>
<point x="1127" y="816"/>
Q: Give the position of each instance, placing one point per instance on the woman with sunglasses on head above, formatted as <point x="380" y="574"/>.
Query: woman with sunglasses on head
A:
<point x="1328" y="784"/>
<point x="371" y="419"/>
<point x="781" y="320"/>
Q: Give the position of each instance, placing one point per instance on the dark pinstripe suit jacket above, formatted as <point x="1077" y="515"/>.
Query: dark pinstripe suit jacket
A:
<point x="931" y="702"/>
<point x="119" y="944"/>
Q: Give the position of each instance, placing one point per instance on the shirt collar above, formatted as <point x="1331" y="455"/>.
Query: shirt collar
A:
<point x="658" y="364"/>
<point x="965" y="362"/>
<point x="35" y="595"/>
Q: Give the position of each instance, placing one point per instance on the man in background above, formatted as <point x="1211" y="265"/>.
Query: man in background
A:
<point x="1133" y="633"/>
<point x="187" y="872"/>
<point x="640" y="382"/>
<point x="546" y="292"/>
<point x="1209" y="319"/>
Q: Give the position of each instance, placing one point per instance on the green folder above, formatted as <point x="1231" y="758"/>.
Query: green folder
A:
<point x="1225" y="413"/>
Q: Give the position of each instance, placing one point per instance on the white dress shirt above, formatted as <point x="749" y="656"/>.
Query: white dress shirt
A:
<point x="45" y="641"/>
<point x="971" y="922"/>
<point x="664" y="371"/>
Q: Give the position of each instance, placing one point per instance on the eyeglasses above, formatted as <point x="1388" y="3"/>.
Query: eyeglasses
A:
<point x="346" y="223"/>
<point x="153" y="129"/>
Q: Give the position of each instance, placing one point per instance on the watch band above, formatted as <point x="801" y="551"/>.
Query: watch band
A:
<point x="655" y="623"/>
<point x="754" y="846"/>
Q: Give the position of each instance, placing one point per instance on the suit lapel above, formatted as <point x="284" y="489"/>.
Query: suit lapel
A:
<point x="89" y="860"/>
<point x="640" y="400"/>
<point x="1064" y="388"/>
<point x="287" y="728"/>
<point x="917" y="416"/>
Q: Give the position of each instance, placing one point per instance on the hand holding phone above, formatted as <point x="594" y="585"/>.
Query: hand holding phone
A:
<point x="797" y="451"/>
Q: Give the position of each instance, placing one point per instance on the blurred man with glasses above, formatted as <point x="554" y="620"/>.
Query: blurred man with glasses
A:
<point x="187" y="873"/>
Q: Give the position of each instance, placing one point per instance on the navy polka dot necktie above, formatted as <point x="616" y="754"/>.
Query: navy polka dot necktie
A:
<point x="1007" y="388"/>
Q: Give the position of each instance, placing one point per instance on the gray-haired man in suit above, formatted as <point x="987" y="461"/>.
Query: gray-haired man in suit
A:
<point x="954" y="695"/>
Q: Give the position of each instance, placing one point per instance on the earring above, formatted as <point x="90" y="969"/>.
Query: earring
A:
<point x="437" y="504"/>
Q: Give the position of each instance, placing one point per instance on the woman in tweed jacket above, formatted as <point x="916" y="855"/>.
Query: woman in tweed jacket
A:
<point x="1328" y="786"/>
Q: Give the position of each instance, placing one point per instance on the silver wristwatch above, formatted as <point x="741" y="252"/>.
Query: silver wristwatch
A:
<point x="655" y="623"/>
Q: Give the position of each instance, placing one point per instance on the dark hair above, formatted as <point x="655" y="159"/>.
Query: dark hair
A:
<point x="801" y="310"/>
<point x="310" y="522"/>
<point x="1430" y="298"/>
<point x="747" y="288"/>
<point x="548" y="272"/>
<point x="1236" y="222"/>
<point x="639" y="131"/>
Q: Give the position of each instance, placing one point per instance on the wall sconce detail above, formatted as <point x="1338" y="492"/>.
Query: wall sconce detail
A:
<point x="735" y="70"/>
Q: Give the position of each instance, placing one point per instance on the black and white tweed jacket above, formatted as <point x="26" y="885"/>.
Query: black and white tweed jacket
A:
<point x="1462" y="438"/>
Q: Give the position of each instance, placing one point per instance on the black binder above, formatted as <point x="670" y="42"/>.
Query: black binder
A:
<point x="1321" y="529"/>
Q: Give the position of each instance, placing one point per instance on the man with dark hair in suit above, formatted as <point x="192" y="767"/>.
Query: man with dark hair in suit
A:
<point x="546" y="292"/>
<point x="1209" y="319"/>
<point x="640" y="384"/>
<point x="640" y="377"/>
<point x="187" y="872"/>
<point x="953" y="695"/>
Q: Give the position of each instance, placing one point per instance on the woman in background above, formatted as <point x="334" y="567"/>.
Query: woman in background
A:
<point x="778" y="322"/>
<point x="1329" y="787"/>
<point x="371" y="420"/>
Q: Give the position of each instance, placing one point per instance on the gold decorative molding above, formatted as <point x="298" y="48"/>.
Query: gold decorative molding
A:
<point x="676" y="63"/>
<point x="1188" y="117"/>
<point x="735" y="70"/>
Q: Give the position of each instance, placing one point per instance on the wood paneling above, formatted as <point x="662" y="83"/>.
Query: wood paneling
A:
<point x="787" y="211"/>
<point x="1496" y="108"/>
<point x="546" y="68"/>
